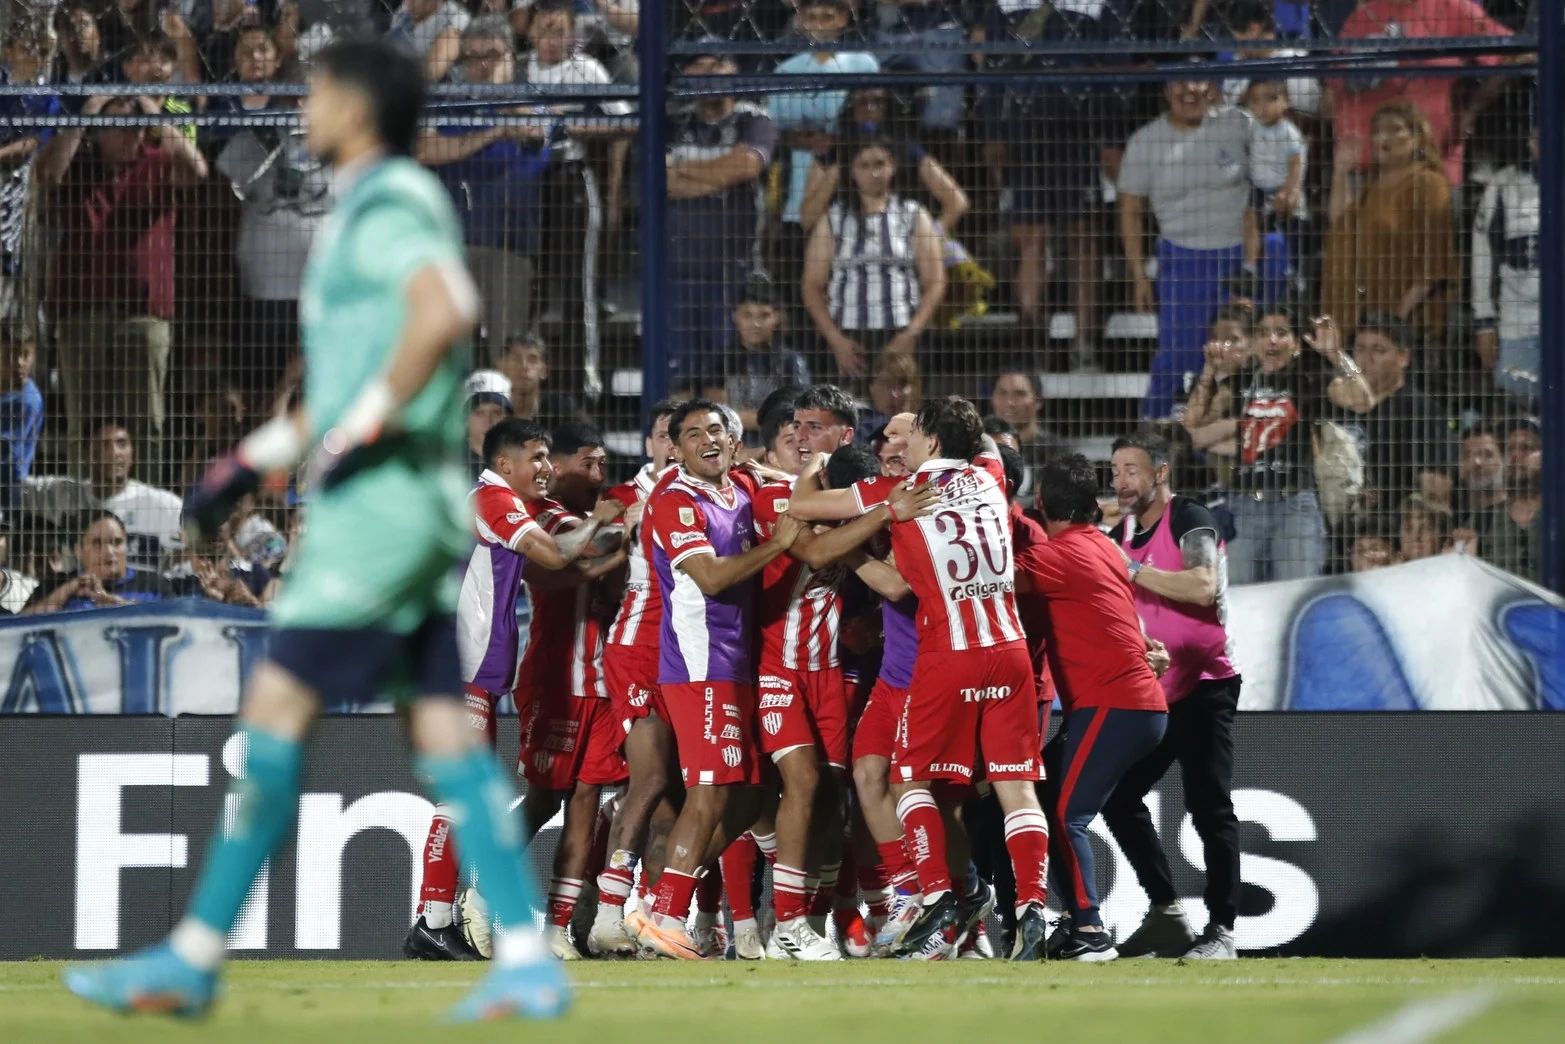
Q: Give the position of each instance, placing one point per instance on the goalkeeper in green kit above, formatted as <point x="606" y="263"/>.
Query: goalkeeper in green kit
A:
<point x="371" y="600"/>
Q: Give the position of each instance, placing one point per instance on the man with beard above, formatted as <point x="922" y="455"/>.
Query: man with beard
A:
<point x="1503" y="519"/>
<point x="1178" y="574"/>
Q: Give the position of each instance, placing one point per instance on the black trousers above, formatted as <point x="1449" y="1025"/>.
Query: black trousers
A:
<point x="1200" y="738"/>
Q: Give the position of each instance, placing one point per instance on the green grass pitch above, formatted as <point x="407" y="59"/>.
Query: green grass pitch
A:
<point x="1249" y="1001"/>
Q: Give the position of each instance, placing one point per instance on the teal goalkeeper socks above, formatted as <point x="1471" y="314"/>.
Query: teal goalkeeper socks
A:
<point x="488" y="832"/>
<point x="267" y="800"/>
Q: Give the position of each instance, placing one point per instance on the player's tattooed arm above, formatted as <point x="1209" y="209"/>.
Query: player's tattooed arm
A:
<point x="1196" y="583"/>
<point x="557" y="552"/>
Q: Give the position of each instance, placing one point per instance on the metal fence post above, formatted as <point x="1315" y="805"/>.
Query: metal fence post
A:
<point x="1551" y="276"/>
<point x="653" y="244"/>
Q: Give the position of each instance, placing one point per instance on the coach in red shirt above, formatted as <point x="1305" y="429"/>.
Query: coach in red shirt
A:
<point x="1115" y="712"/>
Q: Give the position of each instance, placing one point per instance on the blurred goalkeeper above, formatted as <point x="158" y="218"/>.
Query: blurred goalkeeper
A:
<point x="370" y="603"/>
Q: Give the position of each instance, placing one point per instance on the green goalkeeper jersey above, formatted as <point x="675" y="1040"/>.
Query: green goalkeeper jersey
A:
<point x="380" y="548"/>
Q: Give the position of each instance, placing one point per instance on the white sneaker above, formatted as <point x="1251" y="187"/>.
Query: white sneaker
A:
<point x="1164" y="932"/>
<point x="477" y="924"/>
<point x="976" y="947"/>
<point x="904" y="911"/>
<point x="774" y="948"/>
<point x="1215" y="944"/>
<point x="710" y="939"/>
<point x="560" y="943"/>
<point x="799" y="940"/>
<point x="608" y="937"/>
<point x="748" y="945"/>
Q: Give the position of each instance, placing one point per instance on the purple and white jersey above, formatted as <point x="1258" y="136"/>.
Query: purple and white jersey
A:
<point x="900" y="647"/>
<point x="487" y="636"/>
<point x="703" y="639"/>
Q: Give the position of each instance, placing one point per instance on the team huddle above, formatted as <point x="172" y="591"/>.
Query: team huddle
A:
<point x="687" y="643"/>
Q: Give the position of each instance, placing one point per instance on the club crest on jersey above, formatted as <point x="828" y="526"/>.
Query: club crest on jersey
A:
<point x="687" y="516"/>
<point x="732" y="756"/>
<point x="772" y="722"/>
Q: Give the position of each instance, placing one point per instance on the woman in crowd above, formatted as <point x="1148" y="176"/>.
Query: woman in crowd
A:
<point x="1390" y="247"/>
<point x="1275" y="403"/>
<point x="873" y="271"/>
<point x="103" y="578"/>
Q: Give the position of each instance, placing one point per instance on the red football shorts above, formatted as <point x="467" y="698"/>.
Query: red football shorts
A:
<point x="976" y="708"/>
<point x="875" y="736"/>
<point x="712" y="723"/>
<point x="569" y="740"/>
<point x="631" y="673"/>
<point x="803" y="709"/>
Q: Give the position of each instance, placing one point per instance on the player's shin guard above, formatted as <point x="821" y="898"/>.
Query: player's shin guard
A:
<point x="441" y="869"/>
<point x="617" y="879"/>
<point x="925" y="833"/>
<point x="258" y="811"/>
<point x="563" y="893"/>
<point x="738" y="872"/>
<point x="1027" y="840"/>
<point x="789" y="895"/>
<point x="671" y="901"/>
<point x="480" y="798"/>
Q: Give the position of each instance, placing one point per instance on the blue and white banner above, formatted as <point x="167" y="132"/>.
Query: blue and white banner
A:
<point x="1446" y="633"/>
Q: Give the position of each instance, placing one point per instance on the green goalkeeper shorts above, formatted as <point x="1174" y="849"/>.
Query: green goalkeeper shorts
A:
<point x="379" y="551"/>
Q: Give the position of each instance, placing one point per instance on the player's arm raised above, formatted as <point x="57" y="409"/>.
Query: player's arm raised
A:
<point x="811" y="502"/>
<point x="1196" y="583"/>
<point x="905" y="504"/>
<point x="714" y="574"/>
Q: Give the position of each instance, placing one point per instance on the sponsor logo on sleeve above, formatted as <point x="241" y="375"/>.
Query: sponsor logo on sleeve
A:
<point x="514" y="517"/>
<point x="681" y="539"/>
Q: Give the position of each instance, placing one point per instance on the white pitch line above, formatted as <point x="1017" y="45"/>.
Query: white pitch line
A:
<point x="1423" y="1020"/>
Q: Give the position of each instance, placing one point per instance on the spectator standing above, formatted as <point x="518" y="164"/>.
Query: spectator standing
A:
<point x="488" y="403"/>
<point x="430" y="30"/>
<point x="1390" y="248"/>
<point x="494" y="177"/>
<point x="284" y="197"/>
<point x="127" y="24"/>
<point x="1275" y="405"/>
<point x="115" y="206"/>
<point x="808" y="119"/>
<point x="232" y="19"/>
<point x="21" y="417"/>
<point x="106" y="576"/>
<point x="717" y="151"/>
<point x="524" y="362"/>
<point x="896" y="385"/>
<point x="874" y="272"/>
<point x="1502" y="513"/>
<point x="939" y="23"/>
<point x="1505" y="252"/>
<point x="1190" y="166"/>
<point x="760" y="361"/>
<point x="150" y="516"/>
<point x="25" y="58"/>
<point x="1404" y="439"/>
<point x="1016" y="399"/>
<point x="80" y="58"/>
<point x="576" y="211"/>
<point x="1254" y="24"/>
<point x="1423" y="529"/>
<point x="1357" y="103"/>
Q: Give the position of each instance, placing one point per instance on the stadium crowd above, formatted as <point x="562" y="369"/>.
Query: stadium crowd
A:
<point x="1342" y="273"/>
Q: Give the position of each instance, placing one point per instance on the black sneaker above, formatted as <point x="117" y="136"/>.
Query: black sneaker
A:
<point x="942" y="914"/>
<point x="1058" y="938"/>
<point x="1031" y="934"/>
<point x="1089" y="947"/>
<point x="974" y="908"/>
<point x="424" y="943"/>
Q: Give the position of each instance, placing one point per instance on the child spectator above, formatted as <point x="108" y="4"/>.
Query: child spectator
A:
<point x="21" y="415"/>
<point x="1278" y="155"/>
<point x="1505" y="250"/>
<point x="895" y="386"/>
<point x="1424" y="529"/>
<point x="760" y="363"/>
<point x="1373" y="548"/>
<point x="808" y="119"/>
<point x="488" y="403"/>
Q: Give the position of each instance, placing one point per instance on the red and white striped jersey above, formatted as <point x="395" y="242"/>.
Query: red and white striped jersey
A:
<point x="800" y="608"/>
<point x="562" y="620"/>
<point x="640" y="609"/>
<point x="959" y="561"/>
